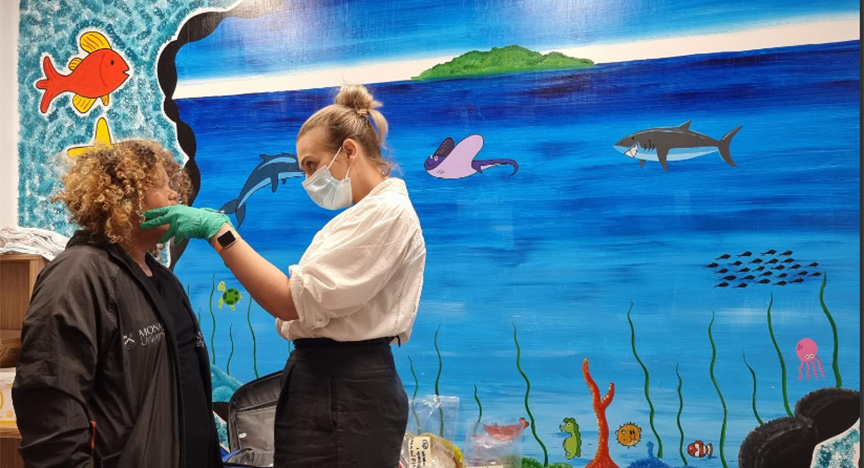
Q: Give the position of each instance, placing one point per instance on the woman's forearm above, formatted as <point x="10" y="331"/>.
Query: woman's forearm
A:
<point x="267" y="284"/>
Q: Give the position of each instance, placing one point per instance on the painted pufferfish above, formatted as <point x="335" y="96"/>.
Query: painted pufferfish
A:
<point x="629" y="434"/>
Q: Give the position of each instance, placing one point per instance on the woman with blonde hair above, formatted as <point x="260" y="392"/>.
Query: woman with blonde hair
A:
<point x="354" y="291"/>
<point x="113" y="371"/>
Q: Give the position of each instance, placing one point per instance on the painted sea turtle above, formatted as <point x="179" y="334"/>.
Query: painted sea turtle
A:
<point x="229" y="297"/>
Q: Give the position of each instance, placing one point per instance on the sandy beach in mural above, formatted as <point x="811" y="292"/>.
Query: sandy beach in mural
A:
<point x="812" y="32"/>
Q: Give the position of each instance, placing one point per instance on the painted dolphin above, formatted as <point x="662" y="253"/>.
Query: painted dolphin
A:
<point x="270" y="171"/>
<point x="674" y="144"/>
<point x="451" y="161"/>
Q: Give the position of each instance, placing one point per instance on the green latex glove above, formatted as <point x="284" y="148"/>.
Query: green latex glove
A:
<point x="186" y="222"/>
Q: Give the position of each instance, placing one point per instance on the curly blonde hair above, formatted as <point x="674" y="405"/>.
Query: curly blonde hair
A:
<point x="104" y="189"/>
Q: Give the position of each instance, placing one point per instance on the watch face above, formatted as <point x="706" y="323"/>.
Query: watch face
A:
<point x="226" y="238"/>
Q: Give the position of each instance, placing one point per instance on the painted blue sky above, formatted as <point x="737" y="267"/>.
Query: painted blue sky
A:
<point x="325" y="33"/>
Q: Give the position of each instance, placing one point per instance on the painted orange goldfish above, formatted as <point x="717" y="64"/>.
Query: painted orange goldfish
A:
<point x="698" y="449"/>
<point x="95" y="76"/>
<point x="506" y="432"/>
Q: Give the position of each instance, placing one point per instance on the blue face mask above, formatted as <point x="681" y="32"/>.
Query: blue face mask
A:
<point x="328" y="191"/>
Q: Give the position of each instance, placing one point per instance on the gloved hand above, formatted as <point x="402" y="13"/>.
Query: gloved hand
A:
<point x="186" y="222"/>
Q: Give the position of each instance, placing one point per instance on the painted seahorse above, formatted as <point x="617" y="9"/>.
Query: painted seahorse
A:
<point x="573" y="443"/>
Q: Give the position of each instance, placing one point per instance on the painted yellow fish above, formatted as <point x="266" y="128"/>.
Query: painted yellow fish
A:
<point x="629" y="434"/>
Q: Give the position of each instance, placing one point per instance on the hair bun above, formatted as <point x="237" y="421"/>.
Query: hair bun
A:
<point x="358" y="98"/>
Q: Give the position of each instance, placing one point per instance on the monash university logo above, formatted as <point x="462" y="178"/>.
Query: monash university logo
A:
<point x="128" y="342"/>
<point x="150" y="334"/>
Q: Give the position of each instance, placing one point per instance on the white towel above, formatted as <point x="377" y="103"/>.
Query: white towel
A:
<point x="23" y="240"/>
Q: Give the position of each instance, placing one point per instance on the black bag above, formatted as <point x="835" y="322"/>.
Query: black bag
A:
<point x="251" y="415"/>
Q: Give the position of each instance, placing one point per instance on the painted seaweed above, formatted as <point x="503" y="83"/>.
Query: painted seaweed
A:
<point x="680" y="410"/>
<point x="833" y="330"/>
<point x="231" y="354"/>
<point x="779" y="356"/>
<point x="479" y="406"/>
<point x="753" y="373"/>
<point x="438" y="379"/>
<point x="647" y="380"/>
<point x="719" y="393"/>
<point x="414" y="396"/>
<point x="527" y="392"/>
<point x="480" y="413"/>
<point x="254" y="341"/>
<point x="213" y="317"/>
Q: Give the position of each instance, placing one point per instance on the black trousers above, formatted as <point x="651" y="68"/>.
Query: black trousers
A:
<point x="342" y="405"/>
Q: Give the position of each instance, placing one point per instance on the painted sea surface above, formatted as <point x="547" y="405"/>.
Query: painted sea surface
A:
<point x="561" y="248"/>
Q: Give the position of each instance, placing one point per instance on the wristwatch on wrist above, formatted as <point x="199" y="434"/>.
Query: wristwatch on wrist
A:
<point x="224" y="240"/>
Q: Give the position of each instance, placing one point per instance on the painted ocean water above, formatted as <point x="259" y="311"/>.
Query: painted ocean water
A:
<point x="561" y="249"/>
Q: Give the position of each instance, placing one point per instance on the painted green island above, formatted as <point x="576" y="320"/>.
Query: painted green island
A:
<point x="501" y="60"/>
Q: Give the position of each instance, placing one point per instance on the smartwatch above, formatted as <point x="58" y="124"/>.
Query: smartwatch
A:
<point x="225" y="240"/>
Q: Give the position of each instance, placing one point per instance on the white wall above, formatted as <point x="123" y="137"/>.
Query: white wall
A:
<point x="9" y="112"/>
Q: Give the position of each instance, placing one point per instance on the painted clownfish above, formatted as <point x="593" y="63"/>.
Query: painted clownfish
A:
<point x="699" y="449"/>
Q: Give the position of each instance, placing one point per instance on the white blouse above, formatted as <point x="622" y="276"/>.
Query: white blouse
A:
<point x="361" y="277"/>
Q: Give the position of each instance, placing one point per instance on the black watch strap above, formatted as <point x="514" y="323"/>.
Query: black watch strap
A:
<point x="224" y="240"/>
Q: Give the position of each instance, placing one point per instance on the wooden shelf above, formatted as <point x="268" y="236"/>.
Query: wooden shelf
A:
<point x="20" y="257"/>
<point x="9" y="430"/>
<point x="18" y="274"/>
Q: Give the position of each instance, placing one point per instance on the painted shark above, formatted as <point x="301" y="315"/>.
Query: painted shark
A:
<point x="456" y="161"/>
<point x="270" y="171"/>
<point x="674" y="144"/>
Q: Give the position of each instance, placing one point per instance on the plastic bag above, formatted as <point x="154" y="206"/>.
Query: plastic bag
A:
<point x="429" y="437"/>
<point x="492" y="444"/>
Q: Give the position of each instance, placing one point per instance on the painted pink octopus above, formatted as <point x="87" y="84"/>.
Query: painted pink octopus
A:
<point x="806" y="351"/>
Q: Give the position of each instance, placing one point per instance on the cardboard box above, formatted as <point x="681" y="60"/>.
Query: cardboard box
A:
<point x="10" y="347"/>
<point x="7" y="411"/>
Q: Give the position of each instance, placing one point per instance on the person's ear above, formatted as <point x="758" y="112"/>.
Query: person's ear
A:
<point x="349" y="146"/>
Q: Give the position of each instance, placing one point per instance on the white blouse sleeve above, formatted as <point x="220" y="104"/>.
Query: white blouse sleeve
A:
<point x="352" y="264"/>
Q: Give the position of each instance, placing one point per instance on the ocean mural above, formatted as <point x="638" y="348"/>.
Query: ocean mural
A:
<point x="643" y="253"/>
<point x="55" y="32"/>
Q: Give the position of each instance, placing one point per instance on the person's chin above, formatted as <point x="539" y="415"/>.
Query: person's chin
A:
<point x="162" y="231"/>
<point x="153" y="236"/>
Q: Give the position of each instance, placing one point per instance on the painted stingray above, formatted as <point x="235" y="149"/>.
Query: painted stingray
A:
<point x="674" y="144"/>
<point x="456" y="161"/>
